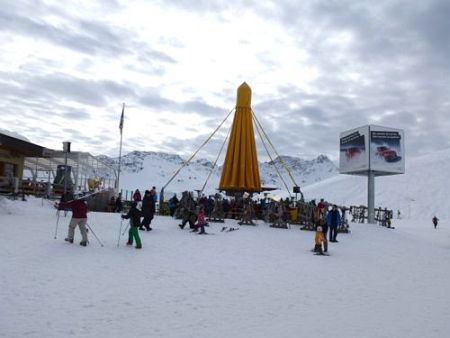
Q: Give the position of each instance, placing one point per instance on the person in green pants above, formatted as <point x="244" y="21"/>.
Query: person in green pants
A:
<point x="134" y="214"/>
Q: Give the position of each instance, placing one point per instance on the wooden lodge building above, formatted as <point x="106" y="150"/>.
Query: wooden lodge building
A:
<point x="30" y="169"/>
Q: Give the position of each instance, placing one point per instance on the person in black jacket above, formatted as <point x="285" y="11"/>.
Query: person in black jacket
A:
<point x="148" y="210"/>
<point x="119" y="205"/>
<point x="135" y="220"/>
<point x="435" y="221"/>
<point x="333" y="221"/>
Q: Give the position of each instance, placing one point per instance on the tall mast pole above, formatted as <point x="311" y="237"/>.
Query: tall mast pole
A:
<point x="120" y="148"/>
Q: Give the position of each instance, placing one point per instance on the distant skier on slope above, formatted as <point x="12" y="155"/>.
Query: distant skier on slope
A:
<point x="435" y="221"/>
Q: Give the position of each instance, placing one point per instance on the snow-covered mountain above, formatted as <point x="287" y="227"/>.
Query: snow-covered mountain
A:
<point x="144" y="169"/>
<point x="305" y="172"/>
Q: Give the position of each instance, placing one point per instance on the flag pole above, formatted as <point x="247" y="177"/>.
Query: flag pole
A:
<point x="120" y="148"/>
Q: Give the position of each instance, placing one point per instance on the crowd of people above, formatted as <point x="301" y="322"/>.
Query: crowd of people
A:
<point x="325" y="219"/>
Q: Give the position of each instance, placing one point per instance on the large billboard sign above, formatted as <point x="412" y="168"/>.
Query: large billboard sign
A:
<point x="387" y="150"/>
<point x="372" y="148"/>
<point x="354" y="151"/>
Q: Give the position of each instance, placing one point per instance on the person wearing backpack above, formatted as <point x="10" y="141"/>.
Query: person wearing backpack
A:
<point x="134" y="215"/>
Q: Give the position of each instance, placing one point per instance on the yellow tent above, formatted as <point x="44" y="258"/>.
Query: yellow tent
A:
<point x="240" y="170"/>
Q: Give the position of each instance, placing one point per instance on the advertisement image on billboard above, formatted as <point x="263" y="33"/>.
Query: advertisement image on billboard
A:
<point x="386" y="150"/>
<point x="353" y="152"/>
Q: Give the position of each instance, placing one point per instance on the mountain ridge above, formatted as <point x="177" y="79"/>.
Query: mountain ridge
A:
<point x="158" y="167"/>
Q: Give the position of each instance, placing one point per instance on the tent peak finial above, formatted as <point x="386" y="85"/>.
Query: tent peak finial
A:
<point x="244" y="95"/>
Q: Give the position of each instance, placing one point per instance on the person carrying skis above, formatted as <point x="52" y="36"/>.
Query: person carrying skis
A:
<point x="435" y="221"/>
<point x="134" y="214"/>
<point x="79" y="217"/>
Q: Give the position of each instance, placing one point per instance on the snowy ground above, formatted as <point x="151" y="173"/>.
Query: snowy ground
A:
<point x="254" y="282"/>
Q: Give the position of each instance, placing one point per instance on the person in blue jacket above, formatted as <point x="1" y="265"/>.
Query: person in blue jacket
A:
<point x="333" y="221"/>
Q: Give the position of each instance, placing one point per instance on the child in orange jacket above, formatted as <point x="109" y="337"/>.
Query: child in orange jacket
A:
<point x="319" y="239"/>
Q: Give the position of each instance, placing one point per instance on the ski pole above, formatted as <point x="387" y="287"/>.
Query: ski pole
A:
<point x="57" y="223"/>
<point x="120" y="231"/>
<point x="123" y="233"/>
<point x="94" y="234"/>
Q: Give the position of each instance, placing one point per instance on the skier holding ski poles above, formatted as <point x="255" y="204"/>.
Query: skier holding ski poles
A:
<point x="79" y="217"/>
<point x="134" y="214"/>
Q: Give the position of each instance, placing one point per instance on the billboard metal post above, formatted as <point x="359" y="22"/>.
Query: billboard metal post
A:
<point x="371" y="197"/>
<point x="372" y="151"/>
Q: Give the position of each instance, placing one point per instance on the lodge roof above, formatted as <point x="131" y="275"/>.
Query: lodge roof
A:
<point x="23" y="147"/>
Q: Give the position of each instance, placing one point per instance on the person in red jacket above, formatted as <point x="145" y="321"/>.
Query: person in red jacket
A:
<point x="79" y="217"/>
<point x="200" y="220"/>
<point x="137" y="196"/>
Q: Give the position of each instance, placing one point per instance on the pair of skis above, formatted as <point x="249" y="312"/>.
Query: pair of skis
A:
<point x="227" y="229"/>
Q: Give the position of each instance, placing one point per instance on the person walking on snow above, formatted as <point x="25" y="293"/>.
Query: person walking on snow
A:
<point x="333" y="221"/>
<point x="201" y="223"/>
<point x="435" y="221"/>
<point x="134" y="214"/>
<point x="148" y="210"/>
<point x="79" y="217"/>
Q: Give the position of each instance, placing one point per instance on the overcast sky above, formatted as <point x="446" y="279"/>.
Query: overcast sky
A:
<point x="316" y="68"/>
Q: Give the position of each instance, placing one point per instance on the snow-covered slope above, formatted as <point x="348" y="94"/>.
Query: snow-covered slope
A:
<point x="419" y="193"/>
<point x="258" y="282"/>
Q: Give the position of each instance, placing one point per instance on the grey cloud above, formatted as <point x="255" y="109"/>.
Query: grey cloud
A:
<point x="85" y="36"/>
<point x="58" y="85"/>
<point x="200" y="107"/>
<point x="156" y="55"/>
<point x="153" y="99"/>
<point x="75" y="115"/>
<point x="63" y="36"/>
